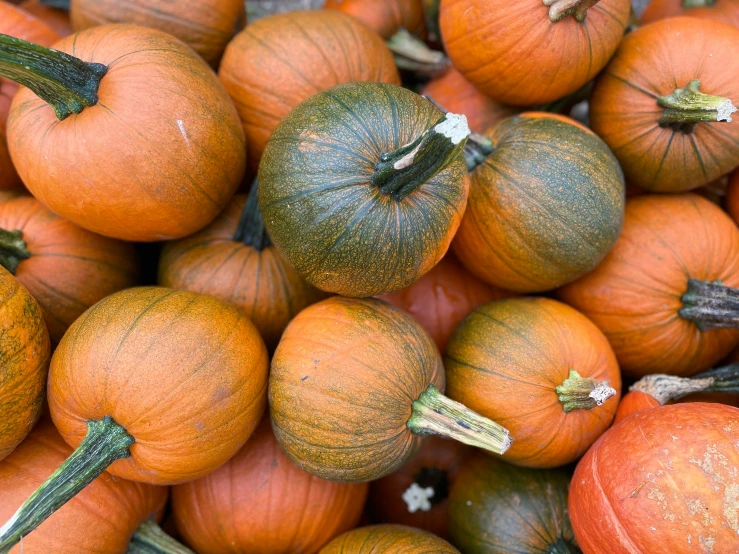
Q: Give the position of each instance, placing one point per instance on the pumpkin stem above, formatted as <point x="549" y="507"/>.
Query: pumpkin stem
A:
<point x="412" y="54"/>
<point x="686" y="107"/>
<point x="710" y="305"/>
<point x="13" y="249"/>
<point x="67" y="83"/>
<point x="561" y="546"/>
<point x="401" y="172"/>
<point x="665" y="388"/>
<point x="435" y="414"/>
<point x="58" y="4"/>
<point x="478" y="148"/>
<point x="104" y="443"/>
<point x="150" y="539"/>
<point x="559" y="9"/>
<point x="251" y="230"/>
<point x="698" y="3"/>
<point x="430" y="486"/>
<point x="583" y="393"/>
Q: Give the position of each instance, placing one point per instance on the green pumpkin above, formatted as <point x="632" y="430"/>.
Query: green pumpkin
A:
<point x="363" y="186"/>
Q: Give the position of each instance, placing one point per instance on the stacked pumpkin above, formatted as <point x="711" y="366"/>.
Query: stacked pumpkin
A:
<point x="258" y="292"/>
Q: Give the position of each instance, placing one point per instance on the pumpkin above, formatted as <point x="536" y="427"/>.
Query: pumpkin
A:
<point x="541" y="367"/>
<point x="259" y="501"/>
<point x="56" y="18"/>
<point x="281" y="60"/>
<point x="386" y="17"/>
<point x="725" y="11"/>
<point x="152" y="385"/>
<point x="363" y="186"/>
<point x="352" y="385"/>
<point x="205" y="26"/>
<point x="649" y="295"/>
<point x="661" y="481"/>
<point x="496" y="507"/>
<point x="24" y="361"/>
<point x="443" y="297"/>
<point x="732" y="197"/>
<point x="151" y="128"/>
<point x="417" y="494"/>
<point x="537" y="219"/>
<point x="388" y="539"/>
<point x="100" y="520"/>
<point x="660" y="106"/>
<point x="533" y="52"/>
<point x="234" y="260"/>
<point x="65" y="267"/>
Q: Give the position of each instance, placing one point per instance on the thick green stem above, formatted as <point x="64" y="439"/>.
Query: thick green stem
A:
<point x="686" y="107"/>
<point x="13" y="249"/>
<point x="698" y="3"/>
<point x="251" y="230"/>
<point x="67" y="83"/>
<point x="430" y="486"/>
<point x="559" y="9"/>
<point x="104" y="443"/>
<point x="710" y="305"/>
<point x="666" y="388"/>
<point x="435" y="414"/>
<point x="412" y="54"/>
<point x="561" y="546"/>
<point x="150" y="539"/>
<point x="583" y="393"/>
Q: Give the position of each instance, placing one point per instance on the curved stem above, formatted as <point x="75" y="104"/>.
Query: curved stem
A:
<point x="412" y="54"/>
<point x="150" y="539"/>
<point x="666" y="388"/>
<point x="559" y="9"/>
<point x="698" y="3"/>
<point x="561" y="546"/>
<point x="435" y="414"/>
<point x="583" y="393"/>
<point x="710" y="305"/>
<point x="104" y="443"/>
<point x="67" y="83"/>
<point x="686" y="107"/>
<point x="251" y="230"/>
<point x="13" y="249"/>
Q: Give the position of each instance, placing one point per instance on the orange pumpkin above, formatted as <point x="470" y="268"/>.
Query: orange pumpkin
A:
<point x="56" y="18"/>
<point x="725" y="11"/>
<point x="732" y="197"/>
<point x="385" y="17"/>
<point x="388" y="539"/>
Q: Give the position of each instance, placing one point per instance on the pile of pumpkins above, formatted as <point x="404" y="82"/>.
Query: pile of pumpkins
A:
<point x="257" y="297"/>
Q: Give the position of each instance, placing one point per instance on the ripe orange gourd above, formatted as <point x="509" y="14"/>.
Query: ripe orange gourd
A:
<point x="385" y="17"/>
<point x="388" y="539"/>
<point x="725" y="11"/>
<point x="732" y="197"/>
<point x="56" y="18"/>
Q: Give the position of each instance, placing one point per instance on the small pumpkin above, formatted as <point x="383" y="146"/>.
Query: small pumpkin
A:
<point x="533" y="52"/>
<point x="259" y="501"/>
<point x="388" y="539"/>
<point x="283" y="59"/>
<point x="363" y="186"/>
<point x="56" y="18"/>
<point x="732" y="197"/>
<point x="153" y="385"/>
<point x="537" y="219"/>
<point x="496" y="507"/>
<point x="665" y="110"/>
<point x="661" y="481"/>
<point x="386" y="17"/>
<point x="65" y="267"/>
<point x="352" y="386"/>
<point x="655" y="296"/>
<point x="725" y="11"/>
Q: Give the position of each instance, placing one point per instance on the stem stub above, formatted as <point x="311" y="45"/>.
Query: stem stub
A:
<point x="559" y="9"/>
<point x="583" y="393"/>
<point x="13" y="249"/>
<point x="710" y="305"/>
<point x="686" y="107"/>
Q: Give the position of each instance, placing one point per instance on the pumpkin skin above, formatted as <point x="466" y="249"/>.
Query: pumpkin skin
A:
<point x="732" y="197"/>
<point x="24" y="362"/>
<point x="190" y="402"/>
<point x="329" y="47"/>
<point x="506" y="358"/>
<point x="388" y="539"/>
<point x="517" y="56"/>
<point x="70" y="268"/>
<point x="99" y="520"/>
<point x="634" y="296"/>
<point x="205" y="26"/>
<point x="535" y="219"/>
<point x="496" y="507"/>
<point x="652" y="62"/>
<point x="259" y="501"/>
<point x="725" y="11"/>
<point x="634" y="402"/>
<point x="661" y="481"/>
<point x="148" y="184"/>
<point x="55" y="18"/>
<point x="386" y="17"/>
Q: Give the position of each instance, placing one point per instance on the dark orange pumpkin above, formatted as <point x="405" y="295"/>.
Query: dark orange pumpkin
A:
<point x="647" y="296"/>
<point x="388" y="539"/>
<point x="732" y="197"/>
<point x="65" y="267"/>
<point x="634" y="402"/>
<point x="665" y="110"/>
<point x="385" y="17"/>
<point x="661" y="481"/>
<point x="725" y="11"/>
<point x="259" y="501"/>
<point x="531" y="52"/>
<point x="56" y="18"/>
<point x="281" y="60"/>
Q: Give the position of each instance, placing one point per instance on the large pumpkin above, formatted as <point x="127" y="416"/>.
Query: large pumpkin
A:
<point x="354" y="383"/>
<point x="259" y="501"/>
<point x="24" y="362"/>
<point x="660" y="482"/>
<point x="149" y="148"/>
<point x="281" y="60"/>
<point x="56" y="18"/>
<point x="726" y="11"/>
<point x="531" y="52"/>
<point x="385" y="17"/>
<point x="388" y="539"/>
<point x="363" y="186"/>
<point x="65" y="267"/>
<point x="537" y="218"/>
<point x="648" y="295"/>
<point x="665" y="110"/>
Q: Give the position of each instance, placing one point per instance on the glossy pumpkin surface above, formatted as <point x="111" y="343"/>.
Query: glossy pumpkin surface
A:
<point x="662" y="481"/>
<point x="515" y="54"/>
<point x="322" y="211"/>
<point x="55" y="18"/>
<point x="24" y="362"/>
<point x="388" y="539"/>
<point x="496" y="507"/>
<point x="69" y="268"/>
<point x="279" y="61"/>
<point x="385" y="17"/>
<point x="650" y="63"/>
<point x="163" y="145"/>
<point x="634" y="296"/>
<point x="732" y="197"/>
<point x="538" y="218"/>
<point x="99" y="520"/>
<point x="185" y="374"/>
<point x="725" y="11"/>
<point x="259" y="501"/>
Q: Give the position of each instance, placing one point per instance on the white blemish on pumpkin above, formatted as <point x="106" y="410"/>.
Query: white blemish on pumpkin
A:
<point x="707" y="543"/>
<point x="417" y="498"/>
<point x="653" y="528"/>
<point x="731" y="506"/>
<point x="181" y="127"/>
<point x="601" y="393"/>
<point x="454" y="127"/>
<point x="469" y="503"/>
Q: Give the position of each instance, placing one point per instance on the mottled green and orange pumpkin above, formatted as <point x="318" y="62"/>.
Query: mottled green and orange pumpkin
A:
<point x="388" y="539"/>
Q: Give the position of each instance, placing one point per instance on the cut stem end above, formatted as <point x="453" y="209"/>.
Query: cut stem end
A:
<point x="583" y="393"/>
